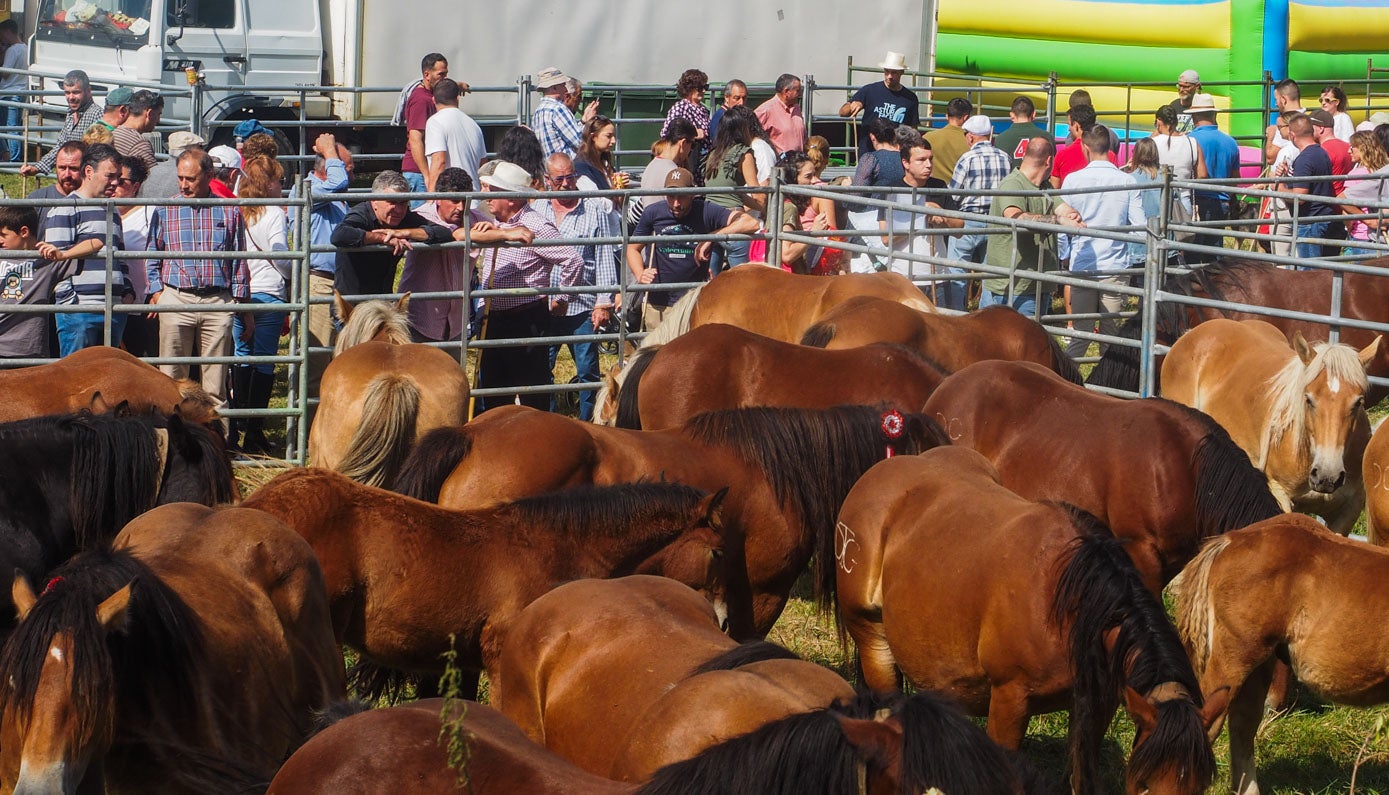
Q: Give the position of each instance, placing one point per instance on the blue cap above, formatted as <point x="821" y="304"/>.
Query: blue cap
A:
<point x="248" y="128"/>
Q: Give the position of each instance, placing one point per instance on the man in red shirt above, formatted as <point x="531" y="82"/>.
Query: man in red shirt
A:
<point x="1336" y="149"/>
<point x="1071" y="157"/>
<point x="418" y="108"/>
<point x="781" y="115"/>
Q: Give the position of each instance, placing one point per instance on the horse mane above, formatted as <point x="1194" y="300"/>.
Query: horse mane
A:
<point x="197" y="406"/>
<point x="1099" y="590"/>
<point x="945" y="750"/>
<point x="811" y="458"/>
<point x="147" y="666"/>
<point x="612" y="511"/>
<point x="628" y="411"/>
<point x="113" y="474"/>
<point x="745" y="654"/>
<point x="204" y="458"/>
<point x="1118" y="367"/>
<point x="369" y="319"/>
<point x="1288" y="410"/>
<point x="1062" y="362"/>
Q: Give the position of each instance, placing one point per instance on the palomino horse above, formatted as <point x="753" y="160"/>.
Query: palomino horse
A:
<point x="1298" y="412"/>
<point x="379" y="392"/>
<point x="74" y="383"/>
<point x="400" y="749"/>
<point x="1364" y="297"/>
<point x="408" y="581"/>
<point x="724" y="367"/>
<point x="189" y="659"/>
<point x="952" y="341"/>
<point x="1161" y="475"/>
<point x="70" y="482"/>
<point x="1375" y="469"/>
<point x="1026" y="608"/>
<point x="624" y="677"/>
<point x="1285" y="588"/>
<point x="786" y="469"/>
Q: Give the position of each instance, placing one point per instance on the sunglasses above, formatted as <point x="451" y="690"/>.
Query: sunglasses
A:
<point x="125" y="181"/>
<point x="564" y="179"/>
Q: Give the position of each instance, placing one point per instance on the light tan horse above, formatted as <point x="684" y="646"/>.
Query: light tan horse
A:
<point x="1298" y="410"/>
<point x="1375" y="468"/>
<point x="380" y="392"/>
<point x="1288" y="588"/>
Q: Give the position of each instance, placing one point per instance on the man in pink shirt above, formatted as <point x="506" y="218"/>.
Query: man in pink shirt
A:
<point x="781" y="116"/>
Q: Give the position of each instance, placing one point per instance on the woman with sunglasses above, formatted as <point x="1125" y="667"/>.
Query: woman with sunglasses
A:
<point x="595" y="156"/>
<point x="1333" y="101"/>
<point x="1369" y="157"/>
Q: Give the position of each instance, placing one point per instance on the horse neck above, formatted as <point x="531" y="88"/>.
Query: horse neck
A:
<point x="604" y="553"/>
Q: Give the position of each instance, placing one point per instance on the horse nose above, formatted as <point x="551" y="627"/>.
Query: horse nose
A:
<point x="1325" y="482"/>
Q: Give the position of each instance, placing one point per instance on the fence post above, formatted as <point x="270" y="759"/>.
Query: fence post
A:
<point x="1154" y="269"/>
<point x="774" y="220"/>
<point x="523" y="100"/>
<point x="299" y="374"/>
<point x="808" y="105"/>
<point x="108" y="302"/>
<point x="1051" y="103"/>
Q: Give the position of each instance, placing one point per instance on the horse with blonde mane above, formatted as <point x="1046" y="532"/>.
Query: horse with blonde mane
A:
<point x="1297" y="410"/>
<point x="380" y="392"/>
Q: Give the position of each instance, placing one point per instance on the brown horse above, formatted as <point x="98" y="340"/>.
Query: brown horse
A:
<point x="623" y="677"/>
<point x="1026" y="608"/>
<point x="724" y="367"/>
<point x="952" y="341"/>
<point x="379" y="392"/>
<point x="100" y="378"/>
<point x="787" y="471"/>
<point x="1157" y="473"/>
<point x="1364" y="297"/>
<point x="1298" y="412"/>
<point x="1375" y="469"/>
<point x="408" y="581"/>
<point x="189" y="658"/>
<point x="1283" y="588"/>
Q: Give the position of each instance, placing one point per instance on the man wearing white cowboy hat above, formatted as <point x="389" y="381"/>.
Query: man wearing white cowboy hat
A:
<point x="886" y="100"/>
<point x="521" y="316"/>
<point x="1221" y="153"/>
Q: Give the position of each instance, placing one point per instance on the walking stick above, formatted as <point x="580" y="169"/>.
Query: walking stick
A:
<point x="482" y="335"/>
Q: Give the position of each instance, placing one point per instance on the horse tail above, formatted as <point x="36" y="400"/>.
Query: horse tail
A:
<point x="382" y="439"/>
<point x="429" y="465"/>
<point x="375" y="684"/>
<point x="677" y="320"/>
<point x="1230" y="492"/>
<point x="335" y="712"/>
<point x="1118" y="367"/>
<point x="629" y="386"/>
<point x="1099" y="590"/>
<point x="197" y="406"/>
<point x="1192" y="589"/>
<point x="1062" y="362"/>
<point x="820" y="334"/>
<point x="745" y="654"/>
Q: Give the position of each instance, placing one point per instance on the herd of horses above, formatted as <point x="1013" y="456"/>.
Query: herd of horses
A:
<point x="991" y="538"/>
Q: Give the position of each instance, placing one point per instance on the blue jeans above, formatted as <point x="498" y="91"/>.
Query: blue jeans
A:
<point x="1316" y="229"/>
<point x="13" y="118"/>
<point x="723" y="256"/>
<point x="967" y="247"/>
<point x="76" y="332"/>
<point x="265" y="339"/>
<point x="1364" y="252"/>
<point x="1024" y="303"/>
<point x="585" y="356"/>
<point x="416" y="180"/>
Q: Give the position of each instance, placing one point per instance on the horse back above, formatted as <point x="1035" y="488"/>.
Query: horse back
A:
<point x="516" y="451"/>
<point x="69" y="385"/>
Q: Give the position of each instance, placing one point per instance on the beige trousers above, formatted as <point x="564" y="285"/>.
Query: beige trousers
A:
<point x="196" y="334"/>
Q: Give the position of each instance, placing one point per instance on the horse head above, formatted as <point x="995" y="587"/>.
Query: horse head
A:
<point x="1333" y="402"/>
<point x="57" y="714"/>
<point x="195" y="466"/>
<point x="1171" y="753"/>
<point x="372" y="321"/>
<point x="697" y="558"/>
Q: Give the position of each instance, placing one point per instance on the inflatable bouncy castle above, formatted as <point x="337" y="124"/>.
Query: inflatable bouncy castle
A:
<point x="1316" y="42"/>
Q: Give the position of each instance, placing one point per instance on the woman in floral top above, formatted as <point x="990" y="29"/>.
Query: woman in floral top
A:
<point x="691" y="87"/>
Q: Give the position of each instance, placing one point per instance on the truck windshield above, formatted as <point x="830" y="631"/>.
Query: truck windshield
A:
<point x="105" y="22"/>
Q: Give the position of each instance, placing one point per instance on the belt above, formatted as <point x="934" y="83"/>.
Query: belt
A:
<point x="202" y="292"/>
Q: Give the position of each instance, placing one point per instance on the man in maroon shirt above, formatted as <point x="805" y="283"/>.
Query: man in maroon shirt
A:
<point x="418" y="108"/>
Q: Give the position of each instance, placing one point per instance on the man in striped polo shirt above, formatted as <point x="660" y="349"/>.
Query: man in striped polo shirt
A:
<point x="80" y="231"/>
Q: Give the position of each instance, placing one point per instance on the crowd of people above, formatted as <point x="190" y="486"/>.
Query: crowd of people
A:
<point x="104" y="150"/>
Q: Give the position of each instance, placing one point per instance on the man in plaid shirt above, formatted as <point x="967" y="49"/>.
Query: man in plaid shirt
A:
<point x="83" y="112"/>
<point x="981" y="167"/>
<point x="198" y="229"/>
<point x="521" y="316"/>
<point x="553" y="119"/>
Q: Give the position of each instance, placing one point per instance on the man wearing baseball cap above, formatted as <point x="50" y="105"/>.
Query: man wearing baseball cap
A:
<point x="117" y="108"/>
<point x="1188" y="83"/>
<point x="980" y="168"/>
<point x="1324" y="129"/>
<point x="680" y="260"/>
<point x="888" y="99"/>
<point x="163" y="178"/>
<point x="553" y="120"/>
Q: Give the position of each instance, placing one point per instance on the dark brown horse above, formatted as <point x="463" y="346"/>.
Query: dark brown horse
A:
<point x="724" y="367"/>
<point x="787" y="471"/>
<point x="100" y="376"/>
<point x="1024" y="608"/>
<point x="1364" y="297"/>
<point x="952" y="341"/>
<point x="1163" y="476"/>
<point x="408" y="580"/>
<point x="624" y="677"/>
<point x="189" y="659"/>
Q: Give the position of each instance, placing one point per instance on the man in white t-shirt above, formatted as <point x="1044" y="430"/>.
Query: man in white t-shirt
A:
<point x="1286" y="96"/>
<point x="451" y="137"/>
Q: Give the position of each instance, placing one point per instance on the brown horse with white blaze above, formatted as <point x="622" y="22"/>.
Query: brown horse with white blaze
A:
<point x="1027" y="608"/>
<point x="717" y="366"/>
<point x="1298" y="411"/>
<point x="381" y="391"/>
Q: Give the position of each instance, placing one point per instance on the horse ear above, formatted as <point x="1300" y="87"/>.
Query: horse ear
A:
<point x="1368" y="353"/>
<point x="1144" y="715"/>
<point x="122" y="409"/>
<point x="403" y="303"/>
<point x="344" y="309"/>
<point x="1304" y="351"/>
<point x="111" y="612"/>
<point x="98" y="404"/>
<point x="873" y="739"/>
<point x="22" y="595"/>
<point x="710" y="506"/>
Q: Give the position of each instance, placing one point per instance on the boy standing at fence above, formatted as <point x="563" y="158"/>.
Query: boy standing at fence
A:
<point x="25" y="282"/>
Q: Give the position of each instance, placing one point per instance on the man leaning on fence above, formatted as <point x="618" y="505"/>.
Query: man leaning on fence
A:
<point x="83" y="112"/>
<point x="191" y="279"/>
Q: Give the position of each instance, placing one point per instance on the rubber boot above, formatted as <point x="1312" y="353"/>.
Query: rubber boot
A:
<point x="261" y="385"/>
<point x="240" y="398"/>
